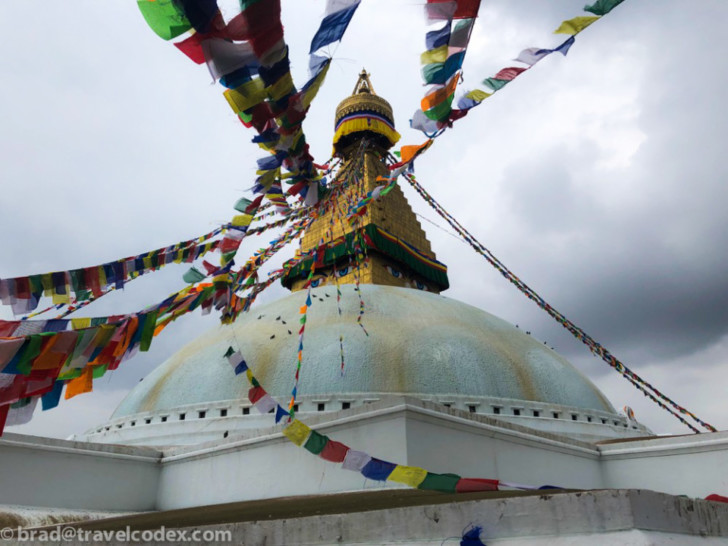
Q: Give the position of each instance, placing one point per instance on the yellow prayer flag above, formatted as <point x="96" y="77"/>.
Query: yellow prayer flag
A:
<point x="246" y="96"/>
<point x="576" y="25"/>
<point x="437" y="55"/>
<point x="78" y="323"/>
<point x="102" y="277"/>
<point x="408" y="475"/>
<point x="240" y="220"/>
<point x="312" y="91"/>
<point x="478" y="94"/>
<point x="297" y="432"/>
<point x="284" y="86"/>
<point x="61" y="298"/>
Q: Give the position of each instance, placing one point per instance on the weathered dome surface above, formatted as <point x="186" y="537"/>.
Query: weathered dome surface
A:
<point x="419" y="344"/>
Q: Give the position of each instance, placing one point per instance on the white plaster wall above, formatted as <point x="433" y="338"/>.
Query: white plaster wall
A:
<point x="58" y="473"/>
<point x="271" y="466"/>
<point x="476" y="450"/>
<point x="694" y="465"/>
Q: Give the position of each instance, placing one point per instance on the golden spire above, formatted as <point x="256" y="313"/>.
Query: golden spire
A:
<point x="363" y="84"/>
<point x="399" y="253"/>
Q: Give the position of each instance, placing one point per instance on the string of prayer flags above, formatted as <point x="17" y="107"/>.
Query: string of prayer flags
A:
<point x="336" y="20"/>
<point x="436" y="113"/>
<point x="249" y="56"/>
<point x="373" y="468"/>
<point x="41" y="358"/>
<point x="299" y="355"/>
<point x="646" y="388"/>
<point x="443" y="60"/>
<point x="23" y="294"/>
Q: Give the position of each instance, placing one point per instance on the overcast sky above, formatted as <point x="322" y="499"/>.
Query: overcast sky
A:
<point x="598" y="178"/>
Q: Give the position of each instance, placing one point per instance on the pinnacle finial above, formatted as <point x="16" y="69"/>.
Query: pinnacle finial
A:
<point x="363" y="84"/>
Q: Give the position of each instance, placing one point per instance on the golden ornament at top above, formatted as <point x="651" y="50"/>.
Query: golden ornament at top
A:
<point x="364" y="100"/>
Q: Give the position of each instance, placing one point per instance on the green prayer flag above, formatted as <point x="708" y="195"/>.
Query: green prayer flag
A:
<point x="164" y="17"/>
<point x="243" y="204"/>
<point x="73" y="373"/>
<point x="36" y="284"/>
<point x="316" y="442"/>
<point x="99" y="371"/>
<point x="602" y="7"/>
<point x="229" y="352"/>
<point x="494" y="84"/>
<point x="150" y="323"/>
<point x="442" y="110"/>
<point x="440" y="482"/>
<point x="245" y="4"/>
<point x="431" y="71"/>
<point x="83" y="295"/>
<point x="31" y="349"/>
<point x="193" y="276"/>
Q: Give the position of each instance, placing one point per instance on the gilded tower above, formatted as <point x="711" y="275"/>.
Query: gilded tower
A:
<point x="397" y="250"/>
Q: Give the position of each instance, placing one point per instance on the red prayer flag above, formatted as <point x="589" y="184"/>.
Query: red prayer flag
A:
<point x="509" y="73"/>
<point x="255" y="394"/>
<point x="465" y="10"/>
<point x="192" y="47"/>
<point x="469" y="485"/>
<point x="3" y="417"/>
<point x="716" y="498"/>
<point x="334" y="451"/>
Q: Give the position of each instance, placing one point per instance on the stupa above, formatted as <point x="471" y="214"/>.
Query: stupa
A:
<point x="418" y="378"/>
<point x="412" y="341"/>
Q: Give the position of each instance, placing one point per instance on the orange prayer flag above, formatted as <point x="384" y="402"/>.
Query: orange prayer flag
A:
<point x="437" y="97"/>
<point x="409" y="152"/>
<point x="83" y="383"/>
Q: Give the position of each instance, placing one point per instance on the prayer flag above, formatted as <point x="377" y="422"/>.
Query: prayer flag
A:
<point x="495" y="84"/>
<point x="297" y="432"/>
<point x="333" y="26"/>
<point x="377" y="469"/>
<point x="602" y="7"/>
<point x="437" y="38"/>
<point x="509" y="73"/>
<point x="355" y="460"/>
<point x="575" y="25"/>
<point x="466" y="485"/>
<point x="280" y="414"/>
<point x="408" y="475"/>
<point x="193" y="275"/>
<point x="83" y="383"/>
<point x="440" y="482"/>
<point x="334" y="451"/>
<point x="164" y="17"/>
<point x="316" y="442"/>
